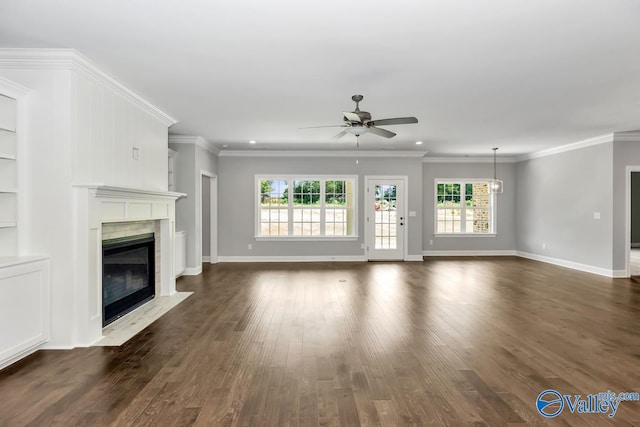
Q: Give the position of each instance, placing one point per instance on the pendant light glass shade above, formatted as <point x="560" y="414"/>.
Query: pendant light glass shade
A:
<point x="496" y="184"/>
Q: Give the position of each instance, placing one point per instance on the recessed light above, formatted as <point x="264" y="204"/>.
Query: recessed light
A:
<point x="225" y="146"/>
<point x="252" y="142"/>
<point x="418" y="142"/>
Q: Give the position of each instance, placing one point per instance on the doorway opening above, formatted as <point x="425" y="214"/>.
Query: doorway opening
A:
<point x="208" y="230"/>
<point x="633" y="226"/>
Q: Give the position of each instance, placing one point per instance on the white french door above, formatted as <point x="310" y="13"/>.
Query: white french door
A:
<point x="385" y="218"/>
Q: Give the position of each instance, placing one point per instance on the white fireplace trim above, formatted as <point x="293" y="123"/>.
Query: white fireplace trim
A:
<point x="96" y="205"/>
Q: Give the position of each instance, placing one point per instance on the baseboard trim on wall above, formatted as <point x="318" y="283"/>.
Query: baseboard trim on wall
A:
<point x="470" y="253"/>
<point x="192" y="271"/>
<point x="620" y="274"/>
<point x="342" y="258"/>
<point x="570" y="264"/>
<point x="414" y="258"/>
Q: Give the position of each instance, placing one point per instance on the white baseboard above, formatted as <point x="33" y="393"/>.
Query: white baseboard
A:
<point x="570" y="264"/>
<point x="620" y="274"/>
<point x="21" y="355"/>
<point x="414" y="258"/>
<point x="470" y="253"/>
<point x="192" y="271"/>
<point x="325" y="258"/>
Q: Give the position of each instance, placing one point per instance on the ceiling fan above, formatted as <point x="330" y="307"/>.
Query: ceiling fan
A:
<point x="359" y="122"/>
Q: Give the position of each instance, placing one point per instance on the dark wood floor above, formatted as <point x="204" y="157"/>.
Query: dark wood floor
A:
<point x="443" y="342"/>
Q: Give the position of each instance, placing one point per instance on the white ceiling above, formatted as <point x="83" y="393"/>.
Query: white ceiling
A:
<point x="522" y="75"/>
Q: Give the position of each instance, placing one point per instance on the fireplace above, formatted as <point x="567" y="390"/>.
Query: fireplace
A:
<point x="128" y="274"/>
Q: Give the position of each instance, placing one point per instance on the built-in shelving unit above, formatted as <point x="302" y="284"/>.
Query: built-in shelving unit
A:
<point x="8" y="177"/>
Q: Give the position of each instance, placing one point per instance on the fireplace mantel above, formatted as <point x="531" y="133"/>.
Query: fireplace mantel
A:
<point x="107" y="191"/>
<point x="97" y="205"/>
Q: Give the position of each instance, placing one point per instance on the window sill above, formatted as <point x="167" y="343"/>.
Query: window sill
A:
<point x="465" y="234"/>
<point x="307" y="239"/>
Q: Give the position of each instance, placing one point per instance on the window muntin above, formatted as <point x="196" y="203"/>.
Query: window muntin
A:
<point x="306" y="207"/>
<point x="464" y="207"/>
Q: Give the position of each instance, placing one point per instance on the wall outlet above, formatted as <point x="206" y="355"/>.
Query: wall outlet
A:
<point x="430" y="242"/>
<point x="544" y="246"/>
<point x="135" y="153"/>
<point x="249" y="246"/>
<point x="596" y="215"/>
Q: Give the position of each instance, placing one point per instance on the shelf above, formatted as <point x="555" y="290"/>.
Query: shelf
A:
<point x="8" y="190"/>
<point x="7" y="130"/>
<point x="7" y="224"/>
<point x="7" y="156"/>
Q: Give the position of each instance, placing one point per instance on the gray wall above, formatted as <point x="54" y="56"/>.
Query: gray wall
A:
<point x="635" y="208"/>
<point x="189" y="161"/>
<point x="505" y="238"/>
<point x="237" y="184"/>
<point x="556" y="199"/>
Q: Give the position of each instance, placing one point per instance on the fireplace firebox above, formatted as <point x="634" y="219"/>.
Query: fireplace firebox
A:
<point x="128" y="274"/>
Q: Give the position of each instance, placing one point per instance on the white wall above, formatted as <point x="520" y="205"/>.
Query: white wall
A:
<point x="106" y="128"/>
<point x="79" y="129"/>
<point x="46" y="190"/>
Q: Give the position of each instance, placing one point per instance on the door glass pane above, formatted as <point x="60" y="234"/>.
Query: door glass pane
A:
<point x="385" y="218"/>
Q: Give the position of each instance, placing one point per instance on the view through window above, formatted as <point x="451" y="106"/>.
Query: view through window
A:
<point x="306" y="207"/>
<point x="464" y="207"/>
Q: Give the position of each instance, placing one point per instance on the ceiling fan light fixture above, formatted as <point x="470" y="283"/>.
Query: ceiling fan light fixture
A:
<point x="357" y="130"/>
<point x="418" y="142"/>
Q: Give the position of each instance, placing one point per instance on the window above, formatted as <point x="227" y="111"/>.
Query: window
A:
<point x="464" y="207"/>
<point x="306" y="207"/>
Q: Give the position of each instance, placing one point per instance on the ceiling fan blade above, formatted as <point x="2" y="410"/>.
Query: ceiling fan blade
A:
<point x="339" y="135"/>
<point x="352" y="117"/>
<point x="395" y="121"/>
<point x="327" y="126"/>
<point x="381" y="132"/>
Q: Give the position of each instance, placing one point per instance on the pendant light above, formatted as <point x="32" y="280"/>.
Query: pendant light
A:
<point x="496" y="184"/>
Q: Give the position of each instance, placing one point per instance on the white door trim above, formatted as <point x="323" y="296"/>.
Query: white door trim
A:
<point x="405" y="205"/>
<point x="213" y="226"/>
<point x="627" y="219"/>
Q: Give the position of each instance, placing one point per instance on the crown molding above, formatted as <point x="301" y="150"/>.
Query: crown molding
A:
<point x="630" y="136"/>
<point x="468" y="160"/>
<point x="320" y="154"/>
<point x="13" y="89"/>
<point x="70" y="59"/>
<point x="196" y="140"/>
<point x="602" y="139"/>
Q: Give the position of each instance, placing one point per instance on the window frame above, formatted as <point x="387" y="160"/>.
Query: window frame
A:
<point x="463" y="181"/>
<point x="290" y="178"/>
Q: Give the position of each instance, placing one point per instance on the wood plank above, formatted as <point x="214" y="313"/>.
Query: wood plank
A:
<point x="449" y="341"/>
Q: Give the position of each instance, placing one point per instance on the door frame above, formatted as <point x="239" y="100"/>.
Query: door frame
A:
<point x="368" y="235"/>
<point x="627" y="219"/>
<point x="213" y="218"/>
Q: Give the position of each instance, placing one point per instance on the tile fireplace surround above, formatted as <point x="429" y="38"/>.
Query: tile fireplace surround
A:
<point x="106" y="212"/>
